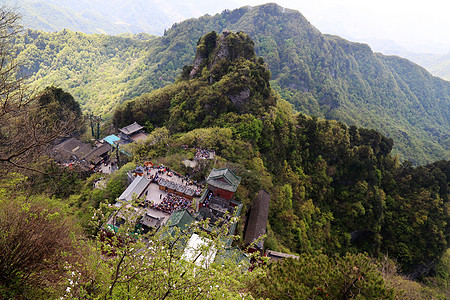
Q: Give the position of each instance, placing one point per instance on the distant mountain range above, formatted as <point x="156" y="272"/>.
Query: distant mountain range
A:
<point x="110" y="16"/>
<point x="436" y="64"/>
<point x="319" y="74"/>
<point x="153" y="17"/>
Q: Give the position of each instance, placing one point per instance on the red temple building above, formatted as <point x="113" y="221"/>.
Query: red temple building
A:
<point x="223" y="183"/>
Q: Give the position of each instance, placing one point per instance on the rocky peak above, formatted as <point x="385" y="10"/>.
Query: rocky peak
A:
<point x="227" y="64"/>
<point x="218" y="51"/>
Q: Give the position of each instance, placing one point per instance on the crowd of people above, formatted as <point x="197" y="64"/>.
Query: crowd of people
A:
<point x="207" y="199"/>
<point x="171" y="203"/>
<point x="201" y="153"/>
<point x="204" y="154"/>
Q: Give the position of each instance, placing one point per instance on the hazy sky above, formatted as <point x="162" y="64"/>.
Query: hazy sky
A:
<point x="416" y="25"/>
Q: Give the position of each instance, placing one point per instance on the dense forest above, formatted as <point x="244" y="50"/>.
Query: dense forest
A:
<point x="320" y="75"/>
<point x="332" y="184"/>
<point x="437" y="64"/>
<point x="361" y="222"/>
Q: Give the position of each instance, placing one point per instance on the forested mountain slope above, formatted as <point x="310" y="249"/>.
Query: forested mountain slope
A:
<point x="334" y="187"/>
<point x="335" y="191"/>
<point x="99" y="70"/>
<point x="437" y="64"/>
<point x="110" y="16"/>
<point x="322" y="75"/>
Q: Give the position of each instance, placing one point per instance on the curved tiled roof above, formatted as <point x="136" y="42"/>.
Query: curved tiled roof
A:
<point x="130" y="129"/>
<point x="224" y="179"/>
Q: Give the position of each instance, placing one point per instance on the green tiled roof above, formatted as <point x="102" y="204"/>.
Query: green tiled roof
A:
<point x="181" y="219"/>
<point x="233" y="255"/>
<point x="224" y="179"/>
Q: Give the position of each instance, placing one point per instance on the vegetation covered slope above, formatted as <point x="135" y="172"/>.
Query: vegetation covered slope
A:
<point x="321" y="75"/>
<point x="99" y="70"/>
<point x="109" y="17"/>
<point x="437" y="64"/>
<point x="225" y="78"/>
<point x="334" y="187"/>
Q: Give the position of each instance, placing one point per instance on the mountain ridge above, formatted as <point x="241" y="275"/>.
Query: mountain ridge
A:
<point x="319" y="74"/>
<point x="108" y="17"/>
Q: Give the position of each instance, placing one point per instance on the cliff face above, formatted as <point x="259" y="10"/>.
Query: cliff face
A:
<point x="215" y="51"/>
<point x="227" y="62"/>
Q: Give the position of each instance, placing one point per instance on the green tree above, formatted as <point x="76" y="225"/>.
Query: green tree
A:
<point x="156" y="265"/>
<point x="27" y="125"/>
<point x="36" y="241"/>
<point x="317" y="276"/>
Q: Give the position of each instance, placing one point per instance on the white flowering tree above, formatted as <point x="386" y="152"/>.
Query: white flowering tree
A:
<point x="125" y="264"/>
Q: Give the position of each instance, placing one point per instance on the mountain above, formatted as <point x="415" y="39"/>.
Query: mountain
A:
<point x="110" y="17"/>
<point x="319" y="74"/>
<point x="333" y="187"/>
<point x="335" y="190"/>
<point x="226" y="80"/>
<point x="436" y="64"/>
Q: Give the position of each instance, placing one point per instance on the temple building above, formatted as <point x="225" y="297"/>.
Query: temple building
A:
<point x="218" y="199"/>
<point x="138" y="188"/>
<point x="257" y="222"/>
<point x="132" y="133"/>
<point x="223" y="183"/>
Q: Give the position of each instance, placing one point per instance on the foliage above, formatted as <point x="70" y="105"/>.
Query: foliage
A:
<point x="55" y="180"/>
<point x="334" y="187"/>
<point x="63" y="99"/>
<point x="227" y="78"/>
<point x="122" y="18"/>
<point x="436" y="64"/>
<point x="29" y="122"/>
<point x="41" y="260"/>
<point x="405" y="288"/>
<point x="156" y="265"/>
<point x="117" y="182"/>
<point x="86" y="66"/>
<point x="360" y="194"/>
<point x="317" y="276"/>
<point x="36" y="242"/>
<point x="319" y="74"/>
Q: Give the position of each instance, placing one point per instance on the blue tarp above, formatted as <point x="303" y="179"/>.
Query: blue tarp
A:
<point x="110" y="139"/>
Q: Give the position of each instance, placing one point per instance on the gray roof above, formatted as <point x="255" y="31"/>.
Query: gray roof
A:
<point x="72" y="147"/>
<point x="151" y="221"/>
<point x="180" y="188"/>
<point x="130" y="129"/>
<point x="163" y="182"/>
<point x="138" y="186"/>
<point x="138" y="136"/>
<point x="172" y="185"/>
<point x="224" y="179"/>
<point x="274" y="255"/>
<point x="257" y="220"/>
<point x="95" y="154"/>
<point x="189" y="192"/>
